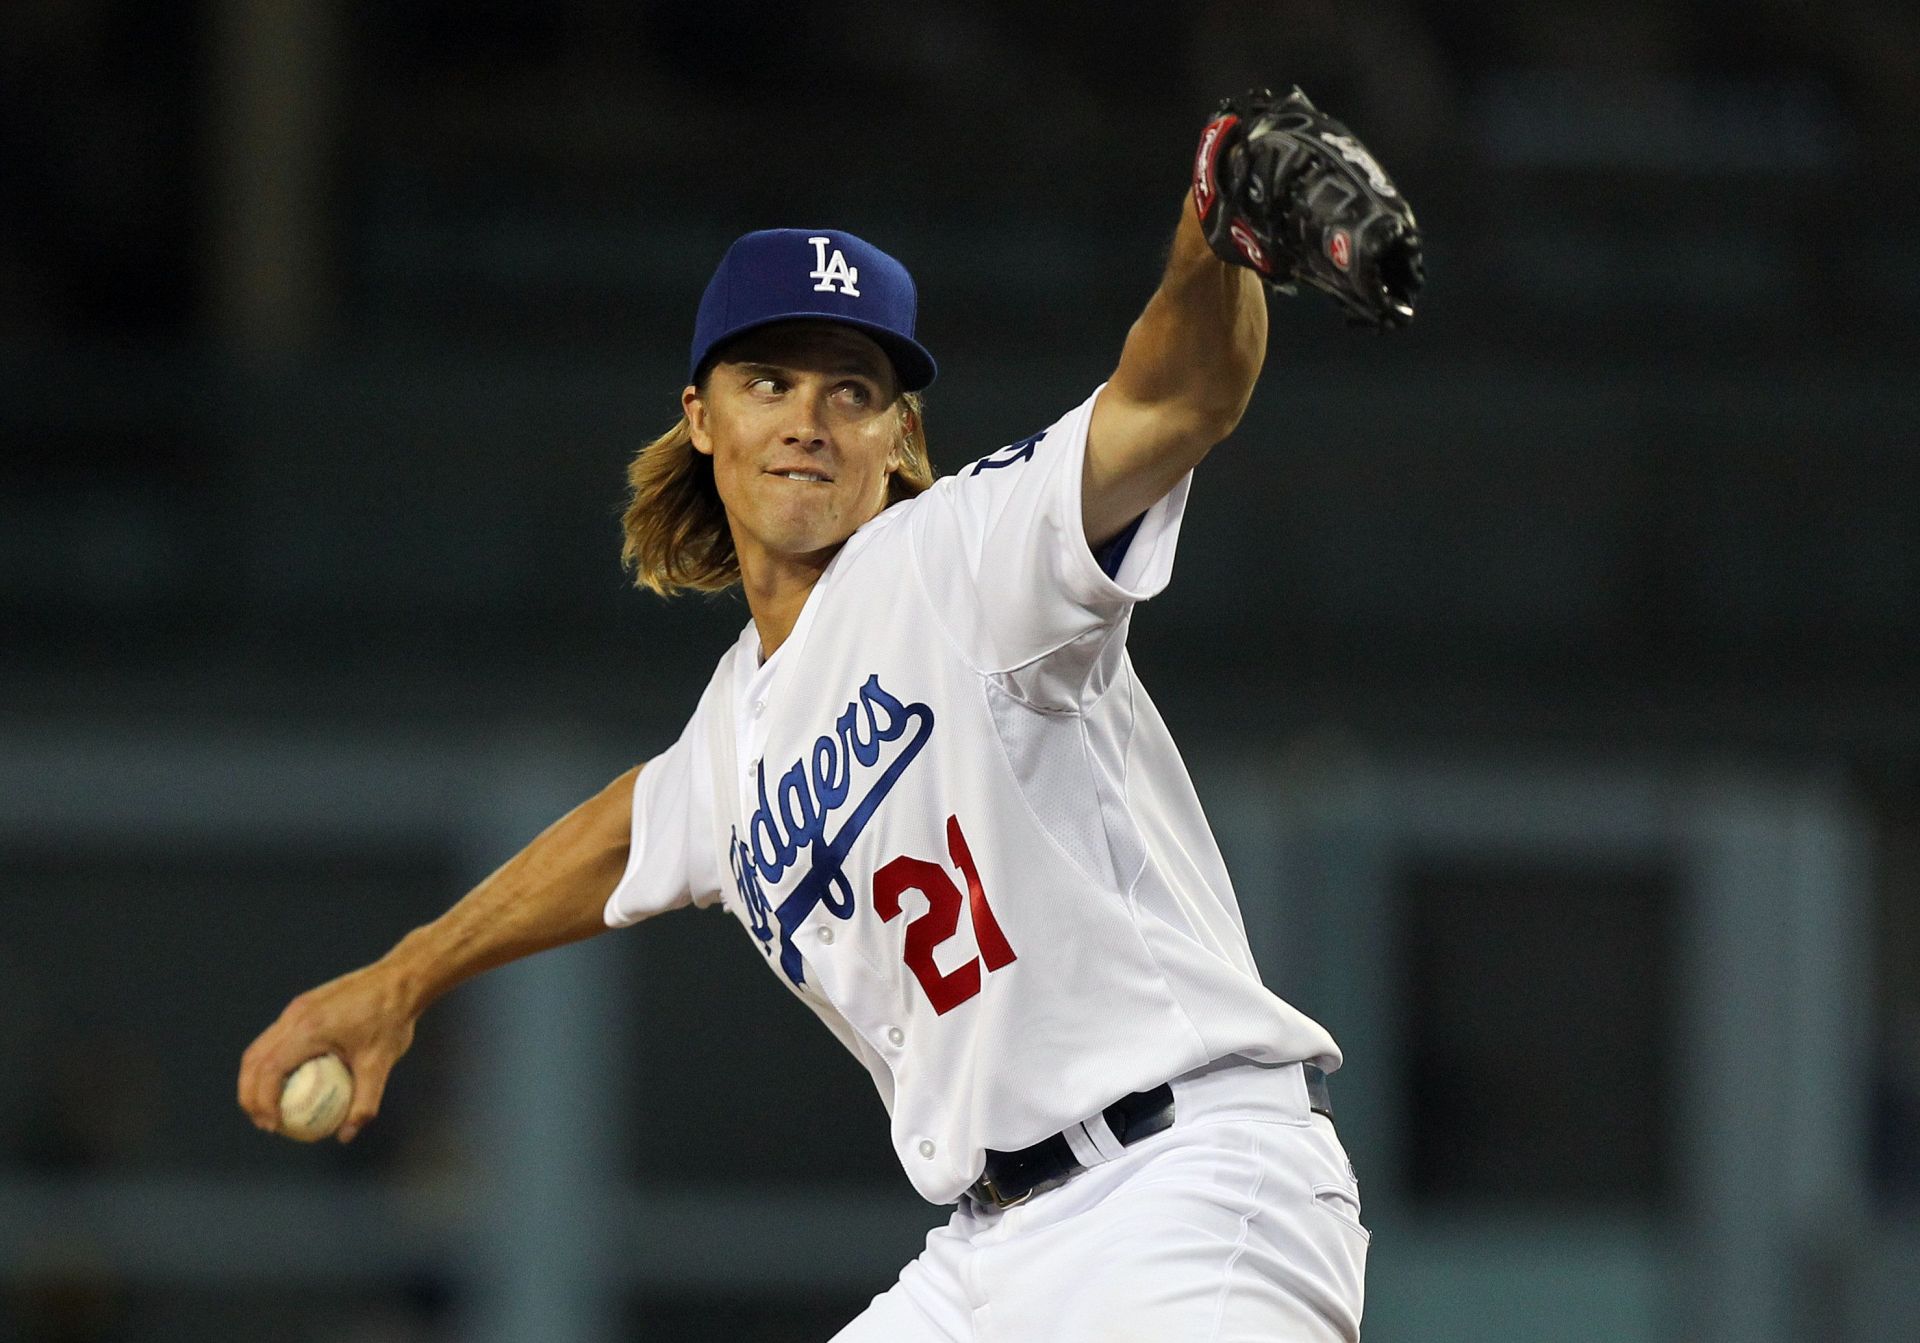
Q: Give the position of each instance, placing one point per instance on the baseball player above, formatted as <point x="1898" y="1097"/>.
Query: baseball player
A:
<point x="929" y="785"/>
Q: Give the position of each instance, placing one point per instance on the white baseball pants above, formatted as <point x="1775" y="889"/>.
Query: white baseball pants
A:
<point x="1240" y="1224"/>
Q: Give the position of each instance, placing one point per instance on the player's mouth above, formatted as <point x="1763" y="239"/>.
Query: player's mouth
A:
<point x="804" y="475"/>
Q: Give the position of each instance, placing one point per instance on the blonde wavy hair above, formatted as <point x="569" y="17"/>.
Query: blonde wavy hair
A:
<point x="677" y="539"/>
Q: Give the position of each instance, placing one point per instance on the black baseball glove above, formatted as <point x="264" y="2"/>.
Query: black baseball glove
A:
<point x="1287" y="190"/>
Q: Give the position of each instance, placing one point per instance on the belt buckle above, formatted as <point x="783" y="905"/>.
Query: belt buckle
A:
<point x="995" y="1197"/>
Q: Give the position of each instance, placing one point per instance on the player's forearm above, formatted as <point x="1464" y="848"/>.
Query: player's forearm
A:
<point x="1184" y="379"/>
<point x="1197" y="350"/>
<point x="551" y="893"/>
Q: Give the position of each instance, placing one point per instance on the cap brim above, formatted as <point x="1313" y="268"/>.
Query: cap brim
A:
<point x="911" y="362"/>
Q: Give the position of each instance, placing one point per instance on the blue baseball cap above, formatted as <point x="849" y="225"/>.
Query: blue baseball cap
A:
<point x="782" y="274"/>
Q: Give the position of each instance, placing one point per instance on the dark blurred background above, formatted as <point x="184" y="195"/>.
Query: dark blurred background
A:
<point x="1549" y="670"/>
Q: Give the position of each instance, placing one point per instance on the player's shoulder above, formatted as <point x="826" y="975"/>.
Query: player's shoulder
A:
<point x="1008" y="463"/>
<point x="963" y="504"/>
<point x="879" y="534"/>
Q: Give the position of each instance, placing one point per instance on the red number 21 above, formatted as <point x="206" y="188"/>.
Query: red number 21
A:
<point x="924" y="934"/>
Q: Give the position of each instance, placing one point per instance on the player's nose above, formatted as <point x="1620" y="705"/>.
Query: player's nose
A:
<point x="806" y="425"/>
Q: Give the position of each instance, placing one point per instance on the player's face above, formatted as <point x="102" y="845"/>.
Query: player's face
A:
<point x="803" y="422"/>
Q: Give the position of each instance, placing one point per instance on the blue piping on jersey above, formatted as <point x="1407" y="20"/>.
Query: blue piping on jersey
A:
<point x="1114" y="553"/>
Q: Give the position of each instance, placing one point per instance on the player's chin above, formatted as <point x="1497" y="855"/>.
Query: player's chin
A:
<point x="799" y="532"/>
<point x="802" y="519"/>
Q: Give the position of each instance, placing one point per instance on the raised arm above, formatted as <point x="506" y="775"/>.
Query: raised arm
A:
<point x="549" y="894"/>
<point x="1185" y="377"/>
<point x="1284" y="195"/>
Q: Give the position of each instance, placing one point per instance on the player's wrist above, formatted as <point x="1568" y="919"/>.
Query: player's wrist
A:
<point x="412" y="975"/>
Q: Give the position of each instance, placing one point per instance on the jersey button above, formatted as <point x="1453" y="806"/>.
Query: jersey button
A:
<point x="759" y="707"/>
<point x="826" y="935"/>
<point x="926" y="1148"/>
<point x="896" y="1036"/>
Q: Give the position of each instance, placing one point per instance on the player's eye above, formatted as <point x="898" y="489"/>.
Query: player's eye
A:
<point x="856" y="392"/>
<point x="767" y="384"/>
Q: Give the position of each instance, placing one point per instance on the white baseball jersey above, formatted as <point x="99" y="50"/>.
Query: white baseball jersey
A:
<point x="950" y="817"/>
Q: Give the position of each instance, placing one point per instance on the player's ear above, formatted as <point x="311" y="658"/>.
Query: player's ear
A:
<point x="909" y="425"/>
<point x="694" y="407"/>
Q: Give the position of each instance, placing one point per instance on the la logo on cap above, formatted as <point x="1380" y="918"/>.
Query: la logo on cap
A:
<point x="834" y="273"/>
<point x="816" y="274"/>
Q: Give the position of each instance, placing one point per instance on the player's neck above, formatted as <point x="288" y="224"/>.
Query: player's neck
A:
<point x="776" y="588"/>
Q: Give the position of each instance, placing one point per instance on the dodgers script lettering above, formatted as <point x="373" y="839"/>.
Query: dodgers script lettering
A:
<point x="789" y="824"/>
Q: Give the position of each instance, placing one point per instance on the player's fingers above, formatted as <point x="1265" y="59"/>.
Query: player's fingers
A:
<point x="348" y="1017"/>
<point x="370" y="1073"/>
<point x="243" y="1085"/>
<point x="261" y="1074"/>
<point x="290" y="1041"/>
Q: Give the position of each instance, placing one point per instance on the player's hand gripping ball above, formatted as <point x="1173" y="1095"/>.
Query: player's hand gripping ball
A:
<point x="314" y="1098"/>
<point x="1288" y="191"/>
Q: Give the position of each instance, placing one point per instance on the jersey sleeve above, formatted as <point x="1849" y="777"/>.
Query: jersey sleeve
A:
<point x="1002" y="548"/>
<point x="670" y="863"/>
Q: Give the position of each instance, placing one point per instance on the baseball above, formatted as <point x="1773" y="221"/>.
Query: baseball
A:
<point x="314" y="1098"/>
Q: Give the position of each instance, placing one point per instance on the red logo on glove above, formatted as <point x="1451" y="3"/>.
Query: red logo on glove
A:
<point x="1204" y="190"/>
<point x="1251" y="250"/>
<point x="1340" y="248"/>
